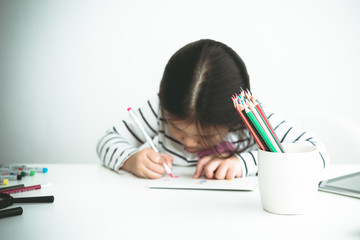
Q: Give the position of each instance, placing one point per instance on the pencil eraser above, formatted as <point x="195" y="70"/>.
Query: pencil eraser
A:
<point x="45" y="170"/>
<point x="129" y="109"/>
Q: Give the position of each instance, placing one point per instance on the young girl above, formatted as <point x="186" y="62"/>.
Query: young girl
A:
<point x="193" y="120"/>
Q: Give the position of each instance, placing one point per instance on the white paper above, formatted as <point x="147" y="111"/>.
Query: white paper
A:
<point x="186" y="182"/>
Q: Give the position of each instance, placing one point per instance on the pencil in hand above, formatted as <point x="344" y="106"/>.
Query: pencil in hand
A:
<point x="148" y="139"/>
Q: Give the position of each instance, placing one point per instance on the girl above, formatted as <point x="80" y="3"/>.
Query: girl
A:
<point x="193" y="120"/>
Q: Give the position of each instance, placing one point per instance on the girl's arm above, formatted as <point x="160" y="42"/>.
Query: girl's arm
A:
<point x="286" y="132"/>
<point x="124" y="139"/>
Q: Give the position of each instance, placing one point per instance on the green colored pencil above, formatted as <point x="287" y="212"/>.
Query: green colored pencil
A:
<point x="259" y="128"/>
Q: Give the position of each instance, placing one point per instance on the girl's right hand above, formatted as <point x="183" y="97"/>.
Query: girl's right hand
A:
<point x="147" y="163"/>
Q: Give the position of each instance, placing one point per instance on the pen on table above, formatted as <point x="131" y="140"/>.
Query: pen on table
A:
<point x="11" y="212"/>
<point x="24" y="189"/>
<point x="24" y="167"/>
<point x="12" y="187"/>
<point x="15" y="172"/>
<point x="4" y="182"/>
<point x="37" y="169"/>
<point x="148" y="138"/>
<point x="11" y="177"/>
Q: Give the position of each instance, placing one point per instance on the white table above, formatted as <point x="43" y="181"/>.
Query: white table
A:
<point x="92" y="202"/>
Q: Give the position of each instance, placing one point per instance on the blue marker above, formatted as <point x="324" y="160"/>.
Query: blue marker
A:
<point x="37" y="169"/>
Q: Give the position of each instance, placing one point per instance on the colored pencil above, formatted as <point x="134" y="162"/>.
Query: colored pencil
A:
<point x="256" y="121"/>
<point x="263" y="125"/>
<point x="261" y="139"/>
<point x="245" y="120"/>
<point x="268" y="124"/>
<point x="259" y="128"/>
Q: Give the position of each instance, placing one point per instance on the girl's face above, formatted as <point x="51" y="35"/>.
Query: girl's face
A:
<point x="188" y="135"/>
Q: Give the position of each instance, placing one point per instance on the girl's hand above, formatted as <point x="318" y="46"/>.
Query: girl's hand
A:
<point x="218" y="168"/>
<point x="147" y="163"/>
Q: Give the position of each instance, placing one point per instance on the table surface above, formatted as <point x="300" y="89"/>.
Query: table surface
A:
<point x="92" y="202"/>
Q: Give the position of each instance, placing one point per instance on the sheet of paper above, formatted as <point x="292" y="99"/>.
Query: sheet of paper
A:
<point x="187" y="182"/>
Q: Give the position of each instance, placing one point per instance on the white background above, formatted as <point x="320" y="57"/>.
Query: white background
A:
<point x="69" y="69"/>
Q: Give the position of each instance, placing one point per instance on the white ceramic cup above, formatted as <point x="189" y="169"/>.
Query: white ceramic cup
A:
<point x="288" y="181"/>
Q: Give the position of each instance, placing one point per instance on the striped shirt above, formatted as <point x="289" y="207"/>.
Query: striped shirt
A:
<point x="124" y="139"/>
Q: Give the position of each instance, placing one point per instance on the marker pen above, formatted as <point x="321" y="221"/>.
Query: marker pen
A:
<point x="4" y="182"/>
<point x="11" y="212"/>
<point x="24" y="167"/>
<point x="16" y="172"/>
<point x="12" y="187"/>
<point x="37" y="169"/>
<point x="11" y="177"/>
<point x="25" y="189"/>
<point x="27" y="173"/>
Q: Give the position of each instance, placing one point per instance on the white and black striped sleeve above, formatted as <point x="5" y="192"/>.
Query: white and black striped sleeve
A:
<point x="124" y="139"/>
<point x="248" y="162"/>
<point x="288" y="132"/>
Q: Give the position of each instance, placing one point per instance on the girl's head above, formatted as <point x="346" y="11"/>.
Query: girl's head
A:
<point x="196" y="89"/>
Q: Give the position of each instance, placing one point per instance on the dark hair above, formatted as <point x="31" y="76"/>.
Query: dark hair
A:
<point x="198" y="83"/>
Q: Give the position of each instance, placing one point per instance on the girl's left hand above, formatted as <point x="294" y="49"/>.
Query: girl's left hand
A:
<point x="218" y="168"/>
